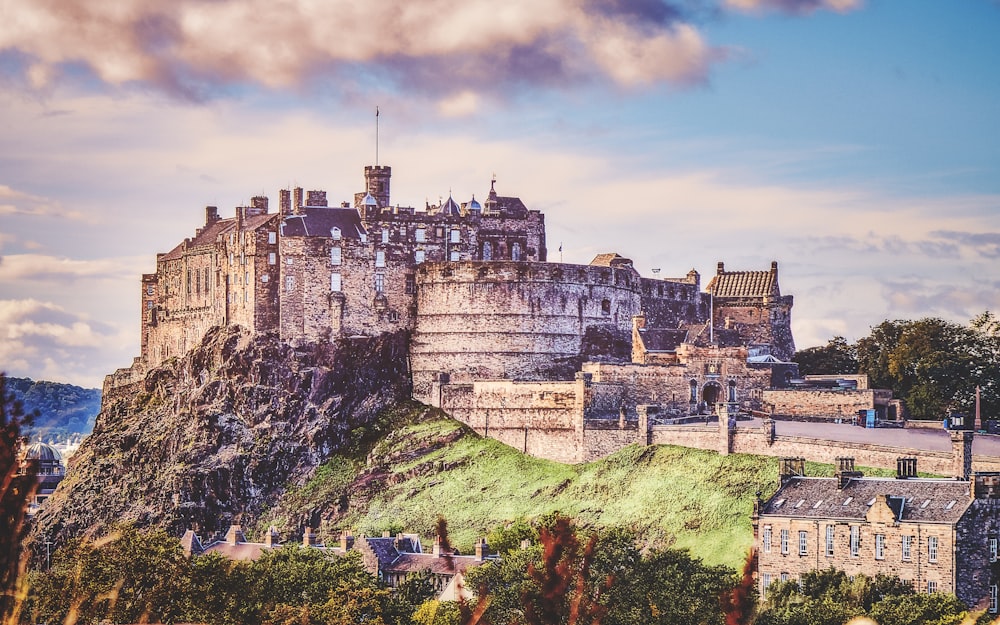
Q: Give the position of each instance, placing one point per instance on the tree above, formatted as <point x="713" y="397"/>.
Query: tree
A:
<point x="16" y="491"/>
<point x="837" y="356"/>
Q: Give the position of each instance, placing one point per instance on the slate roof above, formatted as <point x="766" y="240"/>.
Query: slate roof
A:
<point x="921" y="500"/>
<point x="206" y="236"/>
<point x="317" y="222"/>
<point x="698" y="334"/>
<point x="662" y="339"/>
<point x="442" y="565"/>
<point x="513" y="206"/>
<point x="239" y="551"/>
<point x="744" y="284"/>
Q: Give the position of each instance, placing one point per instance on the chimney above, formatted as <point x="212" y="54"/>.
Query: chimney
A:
<point x="211" y="215"/>
<point x="285" y="201"/>
<point x="271" y="539"/>
<point x="525" y="543"/>
<point x="845" y="472"/>
<point x="789" y="468"/>
<point x="482" y="549"/>
<point x="235" y="535"/>
<point x="386" y="534"/>
<point x="308" y="538"/>
<point x="720" y="268"/>
<point x="297" y="201"/>
<point x="961" y="446"/>
<point x="906" y="468"/>
<point x="774" y="268"/>
<point x="437" y="547"/>
<point x="346" y="540"/>
<point x="190" y="543"/>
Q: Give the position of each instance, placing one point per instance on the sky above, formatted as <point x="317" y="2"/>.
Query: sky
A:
<point x="855" y="142"/>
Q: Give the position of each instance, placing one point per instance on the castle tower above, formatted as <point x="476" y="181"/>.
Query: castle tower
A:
<point x="377" y="183"/>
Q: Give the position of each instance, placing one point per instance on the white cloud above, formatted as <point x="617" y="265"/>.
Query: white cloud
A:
<point x="42" y="267"/>
<point x="13" y="202"/>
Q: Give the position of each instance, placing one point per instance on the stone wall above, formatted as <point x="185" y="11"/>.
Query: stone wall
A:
<point x="507" y="320"/>
<point x="537" y="418"/>
<point x="825" y="403"/>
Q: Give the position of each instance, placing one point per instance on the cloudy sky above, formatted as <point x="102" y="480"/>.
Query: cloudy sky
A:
<point x="857" y="143"/>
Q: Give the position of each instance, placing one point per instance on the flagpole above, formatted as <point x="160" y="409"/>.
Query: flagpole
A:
<point x="376" y="136"/>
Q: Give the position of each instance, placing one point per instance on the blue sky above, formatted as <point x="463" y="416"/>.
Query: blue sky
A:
<point x="856" y="143"/>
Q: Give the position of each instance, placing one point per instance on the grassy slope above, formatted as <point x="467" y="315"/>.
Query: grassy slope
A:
<point x="670" y="496"/>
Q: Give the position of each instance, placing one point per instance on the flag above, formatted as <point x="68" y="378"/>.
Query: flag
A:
<point x="560" y="247"/>
<point x="376" y="111"/>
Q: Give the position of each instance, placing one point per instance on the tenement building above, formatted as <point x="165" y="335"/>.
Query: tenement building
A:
<point x="940" y="535"/>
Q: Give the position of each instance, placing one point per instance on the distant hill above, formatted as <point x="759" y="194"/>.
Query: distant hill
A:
<point x="63" y="409"/>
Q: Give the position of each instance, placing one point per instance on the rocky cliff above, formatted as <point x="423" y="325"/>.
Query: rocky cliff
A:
<point x="218" y="435"/>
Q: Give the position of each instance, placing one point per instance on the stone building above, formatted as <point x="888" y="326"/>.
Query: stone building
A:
<point x="940" y="535"/>
<point x="470" y="281"/>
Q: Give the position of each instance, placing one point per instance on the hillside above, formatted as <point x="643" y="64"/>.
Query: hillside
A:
<point x="63" y="409"/>
<point x="670" y="496"/>
<point x="214" y="436"/>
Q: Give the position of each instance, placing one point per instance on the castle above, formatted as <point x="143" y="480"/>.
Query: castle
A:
<point x="521" y="349"/>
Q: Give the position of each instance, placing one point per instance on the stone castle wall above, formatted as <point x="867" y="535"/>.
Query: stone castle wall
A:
<point x="824" y="403"/>
<point x="507" y="320"/>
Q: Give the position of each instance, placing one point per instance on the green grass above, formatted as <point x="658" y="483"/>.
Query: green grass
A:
<point x="669" y="496"/>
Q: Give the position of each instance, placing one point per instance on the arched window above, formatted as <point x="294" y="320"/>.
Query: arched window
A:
<point x="732" y="391"/>
<point x="606" y="307"/>
<point x="694" y="391"/>
<point x="515" y="251"/>
<point x="487" y="250"/>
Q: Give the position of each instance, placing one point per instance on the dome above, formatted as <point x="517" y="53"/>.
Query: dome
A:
<point x="42" y="452"/>
<point x="369" y="200"/>
<point x="474" y="205"/>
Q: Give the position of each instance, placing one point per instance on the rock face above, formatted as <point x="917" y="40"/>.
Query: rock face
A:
<point x="217" y="435"/>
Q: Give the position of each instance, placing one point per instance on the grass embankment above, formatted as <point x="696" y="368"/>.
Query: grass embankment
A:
<point x="669" y="496"/>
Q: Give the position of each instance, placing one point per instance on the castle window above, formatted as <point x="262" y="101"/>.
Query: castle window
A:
<point x="420" y="235"/>
<point x="189" y="282"/>
<point x="411" y="284"/>
<point x="766" y="539"/>
<point x="931" y="587"/>
<point x="380" y="258"/>
<point x="829" y="540"/>
<point x="393" y="316"/>
<point x="732" y="391"/>
<point x="231" y="259"/>
<point x="149" y="304"/>
<point x="932" y="549"/>
<point x="272" y="238"/>
<point x="197" y="282"/>
<point x="419" y="256"/>
<point x="385" y="235"/>
<point x="149" y="289"/>
<point x="456" y="236"/>
<point x="879" y="546"/>
<point x="335" y="255"/>
<point x="335" y="233"/>
<point x="264" y="278"/>
<point x="907" y="541"/>
<point x="207" y="281"/>
<point x="439" y="232"/>
<point x="765" y="581"/>
<point x="379" y="283"/>
<point x="855" y="541"/>
<point x="272" y="258"/>
<point x="335" y="284"/>
<point x="993" y="548"/>
<point x="605" y="307"/>
<point x="454" y="256"/>
<point x="289" y="283"/>
<point x="784" y="577"/>
<point x="515" y="251"/>
<point x="993" y="598"/>
<point x="243" y="258"/>
<point x="487" y="250"/>
<point x="363" y="237"/>
<point x="803" y="543"/>
<point x="694" y="391"/>
<point x="784" y="542"/>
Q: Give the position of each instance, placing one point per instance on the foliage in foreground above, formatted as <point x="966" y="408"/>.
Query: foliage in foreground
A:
<point x="16" y="491"/>
<point x="830" y="597"/>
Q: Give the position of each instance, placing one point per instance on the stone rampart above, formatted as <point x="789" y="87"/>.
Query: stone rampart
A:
<point x="824" y="403"/>
<point x="514" y="320"/>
